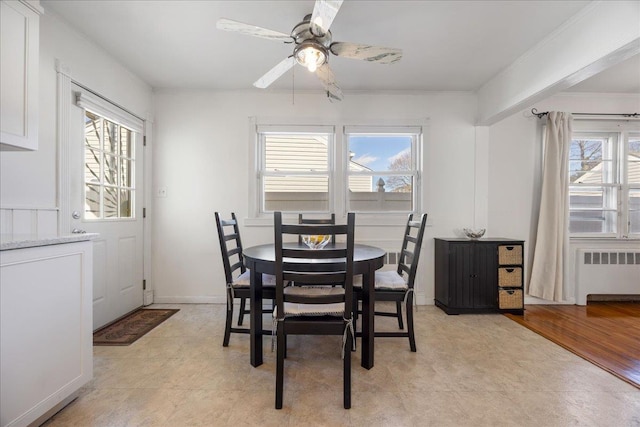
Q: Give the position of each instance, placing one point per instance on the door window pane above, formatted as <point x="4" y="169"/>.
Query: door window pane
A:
<point x="92" y="202"/>
<point x="92" y="165"/>
<point x="108" y="172"/>
<point x="110" y="137"/>
<point x="93" y="130"/>
<point x="125" y="142"/>
<point x="125" y="204"/>
<point x="125" y="173"/>
<point x="110" y="202"/>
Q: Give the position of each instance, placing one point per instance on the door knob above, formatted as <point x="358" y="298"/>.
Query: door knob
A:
<point x="78" y="231"/>
<point x="75" y="215"/>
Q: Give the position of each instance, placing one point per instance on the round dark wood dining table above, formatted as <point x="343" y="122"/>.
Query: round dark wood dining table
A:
<point x="366" y="260"/>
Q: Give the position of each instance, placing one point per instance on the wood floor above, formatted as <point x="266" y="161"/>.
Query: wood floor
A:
<point x="605" y="333"/>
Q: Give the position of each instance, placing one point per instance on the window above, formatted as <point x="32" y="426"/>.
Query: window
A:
<point x="108" y="171"/>
<point x="604" y="180"/>
<point x="382" y="172"/>
<point x="295" y="169"/>
<point x="312" y="169"/>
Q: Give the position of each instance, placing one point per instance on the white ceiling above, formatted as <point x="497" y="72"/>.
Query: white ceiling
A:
<point x="448" y="45"/>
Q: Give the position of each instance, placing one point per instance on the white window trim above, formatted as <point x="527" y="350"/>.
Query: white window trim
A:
<point x="623" y="128"/>
<point x="112" y="112"/>
<point x="338" y="175"/>
<point x="416" y="147"/>
<point x="263" y="130"/>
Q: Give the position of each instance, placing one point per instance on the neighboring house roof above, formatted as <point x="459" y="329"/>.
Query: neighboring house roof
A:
<point x="594" y="176"/>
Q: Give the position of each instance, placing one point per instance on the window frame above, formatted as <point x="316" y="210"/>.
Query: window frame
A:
<point x="262" y="131"/>
<point x="619" y="133"/>
<point x="416" y="134"/>
<point x="119" y="157"/>
<point x="337" y="170"/>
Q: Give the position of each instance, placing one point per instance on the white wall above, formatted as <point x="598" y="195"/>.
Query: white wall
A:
<point x="515" y="154"/>
<point x="201" y="151"/>
<point x="28" y="179"/>
<point x="201" y="157"/>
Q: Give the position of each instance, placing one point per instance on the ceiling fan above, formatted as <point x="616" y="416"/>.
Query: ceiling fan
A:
<point x="312" y="46"/>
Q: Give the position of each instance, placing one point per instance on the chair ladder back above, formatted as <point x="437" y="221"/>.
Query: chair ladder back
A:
<point x="409" y="259"/>
<point x="225" y="235"/>
<point x="317" y="272"/>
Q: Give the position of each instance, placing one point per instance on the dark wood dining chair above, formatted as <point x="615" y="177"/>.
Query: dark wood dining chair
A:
<point x="331" y="220"/>
<point x="302" y="220"/>
<point x="398" y="285"/>
<point x="236" y="274"/>
<point x="314" y="309"/>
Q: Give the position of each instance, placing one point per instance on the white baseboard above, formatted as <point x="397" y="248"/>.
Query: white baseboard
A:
<point x="421" y="299"/>
<point x="148" y="297"/>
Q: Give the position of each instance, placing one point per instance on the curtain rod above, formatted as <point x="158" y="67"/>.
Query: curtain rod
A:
<point x="632" y="115"/>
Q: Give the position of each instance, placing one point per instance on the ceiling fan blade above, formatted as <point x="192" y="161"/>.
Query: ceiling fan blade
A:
<point x="379" y="54"/>
<point x="323" y="15"/>
<point x="252" y="30"/>
<point x="273" y="74"/>
<point x="328" y="80"/>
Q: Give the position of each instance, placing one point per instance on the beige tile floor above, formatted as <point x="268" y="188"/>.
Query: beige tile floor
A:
<point x="470" y="370"/>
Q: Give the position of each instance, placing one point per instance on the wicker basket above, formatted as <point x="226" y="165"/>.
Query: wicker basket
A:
<point x="510" y="277"/>
<point x="509" y="254"/>
<point x="510" y="298"/>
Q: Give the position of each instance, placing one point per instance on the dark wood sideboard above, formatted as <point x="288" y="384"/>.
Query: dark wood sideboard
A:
<point x="479" y="276"/>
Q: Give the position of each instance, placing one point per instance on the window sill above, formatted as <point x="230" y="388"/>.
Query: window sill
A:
<point x="362" y="220"/>
<point x="603" y="239"/>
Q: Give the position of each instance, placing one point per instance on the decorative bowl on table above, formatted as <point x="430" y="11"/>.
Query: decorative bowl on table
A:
<point x="316" y="241"/>
<point x="474" y="233"/>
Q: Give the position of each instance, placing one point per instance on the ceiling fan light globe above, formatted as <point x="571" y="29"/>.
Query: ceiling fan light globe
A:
<point x="310" y="56"/>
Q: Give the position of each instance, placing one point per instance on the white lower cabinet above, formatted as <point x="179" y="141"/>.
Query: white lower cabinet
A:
<point x="46" y="348"/>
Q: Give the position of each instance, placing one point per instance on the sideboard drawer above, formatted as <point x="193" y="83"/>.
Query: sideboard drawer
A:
<point x="509" y="254"/>
<point x="510" y="277"/>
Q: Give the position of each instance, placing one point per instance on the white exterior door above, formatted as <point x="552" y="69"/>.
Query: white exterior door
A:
<point x="107" y="198"/>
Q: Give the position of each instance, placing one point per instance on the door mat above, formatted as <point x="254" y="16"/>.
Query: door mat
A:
<point x="131" y="327"/>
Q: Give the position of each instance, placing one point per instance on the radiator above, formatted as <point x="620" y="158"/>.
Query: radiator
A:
<point x="606" y="272"/>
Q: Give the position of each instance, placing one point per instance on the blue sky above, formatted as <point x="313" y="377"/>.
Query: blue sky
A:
<point x="377" y="152"/>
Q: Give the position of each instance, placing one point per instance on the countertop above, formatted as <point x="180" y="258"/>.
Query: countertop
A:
<point x="19" y="241"/>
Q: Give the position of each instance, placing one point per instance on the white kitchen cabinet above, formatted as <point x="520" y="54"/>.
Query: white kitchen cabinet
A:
<point x="19" y="57"/>
<point x="46" y="344"/>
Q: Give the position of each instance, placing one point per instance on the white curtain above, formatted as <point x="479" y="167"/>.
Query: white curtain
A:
<point x="547" y="273"/>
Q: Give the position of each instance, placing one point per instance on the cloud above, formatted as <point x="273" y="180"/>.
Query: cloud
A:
<point x="365" y="159"/>
<point x="400" y="154"/>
